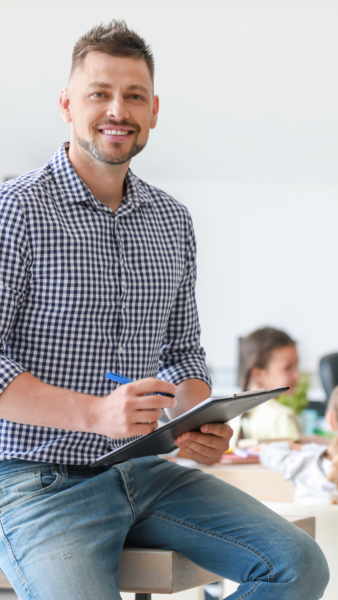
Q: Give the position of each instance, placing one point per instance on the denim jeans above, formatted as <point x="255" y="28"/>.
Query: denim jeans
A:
<point x="63" y="529"/>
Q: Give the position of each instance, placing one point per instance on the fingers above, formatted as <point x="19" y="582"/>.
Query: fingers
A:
<point x="200" y="458"/>
<point x="204" y="454"/>
<point x="133" y="409"/>
<point x="203" y="444"/>
<point x="206" y="448"/>
<point x="152" y="385"/>
<point x="214" y="440"/>
<point x="206" y="451"/>
<point x="140" y="394"/>
<point x="153" y="402"/>
<point x="219" y="429"/>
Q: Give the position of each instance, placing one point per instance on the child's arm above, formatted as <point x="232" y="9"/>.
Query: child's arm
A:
<point x="296" y="445"/>
<point x="279" y="457"/>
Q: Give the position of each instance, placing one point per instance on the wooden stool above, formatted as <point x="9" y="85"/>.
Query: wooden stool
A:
<point x="145" y="572"/>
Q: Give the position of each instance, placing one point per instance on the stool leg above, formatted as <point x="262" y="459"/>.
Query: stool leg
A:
<point x="142" y="596"/>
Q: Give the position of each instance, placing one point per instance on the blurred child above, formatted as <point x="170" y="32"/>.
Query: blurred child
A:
<point x="269" y="359"/>
<point x="312" y="468"/>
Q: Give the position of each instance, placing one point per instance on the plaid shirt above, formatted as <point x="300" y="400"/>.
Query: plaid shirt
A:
<point x="84" y="291"/>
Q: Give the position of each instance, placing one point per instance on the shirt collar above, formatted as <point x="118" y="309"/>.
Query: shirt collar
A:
<point x="74" y="190"/>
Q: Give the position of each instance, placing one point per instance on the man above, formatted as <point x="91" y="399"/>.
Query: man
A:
<point x="98" y="274"/>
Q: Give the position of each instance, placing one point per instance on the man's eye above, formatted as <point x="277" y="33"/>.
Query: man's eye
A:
<point x="99" y="95"/>
<point x="136" y="97"/>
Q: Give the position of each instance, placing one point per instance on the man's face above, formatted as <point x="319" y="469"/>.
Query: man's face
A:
<point x="111" y="107"/>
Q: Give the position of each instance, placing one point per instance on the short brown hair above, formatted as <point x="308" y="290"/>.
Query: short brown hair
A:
<point x="115" y="39"/>
<point x="256" y="349"/>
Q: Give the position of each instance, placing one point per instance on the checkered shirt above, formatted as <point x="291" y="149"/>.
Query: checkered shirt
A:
<point x="85" y="291"/>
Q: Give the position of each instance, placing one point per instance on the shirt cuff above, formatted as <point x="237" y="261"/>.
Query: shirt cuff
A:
<point x="9" y="369"/>
<point x="188" y="369"/>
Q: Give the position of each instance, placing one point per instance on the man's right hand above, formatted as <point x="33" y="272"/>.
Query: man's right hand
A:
<point x="123" y="413"/>
<point x="133" y="409"/>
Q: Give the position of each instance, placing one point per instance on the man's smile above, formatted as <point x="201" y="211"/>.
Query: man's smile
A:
<point x="115" y="132"/>
<point x="118" y="133"/>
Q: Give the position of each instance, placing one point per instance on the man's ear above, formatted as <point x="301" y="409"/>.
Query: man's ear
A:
<point x="64" y="102"/>
<point x="156" y="107"/>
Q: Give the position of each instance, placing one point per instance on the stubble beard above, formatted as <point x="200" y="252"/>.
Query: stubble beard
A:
<point x="110" y="158"/>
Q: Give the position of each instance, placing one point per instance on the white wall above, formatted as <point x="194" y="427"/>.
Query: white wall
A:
<point x="247" y="138"/>
<point x="267" y="254"/>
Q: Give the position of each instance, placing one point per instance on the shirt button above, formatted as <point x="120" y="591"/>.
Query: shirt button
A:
<point x="123" y="305"/>
<point x="120" y="350"/>
<point x="122" y="262"/>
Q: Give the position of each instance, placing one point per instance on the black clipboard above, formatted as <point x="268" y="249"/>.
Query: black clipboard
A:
<point x="213" y="410"/>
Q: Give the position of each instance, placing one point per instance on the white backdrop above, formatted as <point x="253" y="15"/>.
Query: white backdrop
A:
<point x="247" y="138"/>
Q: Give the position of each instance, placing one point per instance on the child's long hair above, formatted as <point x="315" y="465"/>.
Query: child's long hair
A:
<point x="332" y="450"/>
<point x="256" y="349"/>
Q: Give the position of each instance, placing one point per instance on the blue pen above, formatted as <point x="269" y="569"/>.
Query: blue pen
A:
<point x="122" y="379"/>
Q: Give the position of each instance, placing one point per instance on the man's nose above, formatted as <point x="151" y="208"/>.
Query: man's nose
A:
<point x="117" y="109"/>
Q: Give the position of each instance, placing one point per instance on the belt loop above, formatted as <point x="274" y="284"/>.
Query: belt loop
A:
<point x="63" y="470"/>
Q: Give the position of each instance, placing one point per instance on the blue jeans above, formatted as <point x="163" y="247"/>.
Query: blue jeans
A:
<point x="63" y="529"/>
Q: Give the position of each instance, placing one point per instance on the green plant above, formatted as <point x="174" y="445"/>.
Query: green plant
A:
<point x="298" y="401"/>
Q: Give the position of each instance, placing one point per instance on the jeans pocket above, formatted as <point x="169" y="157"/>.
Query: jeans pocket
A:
<point x="48" y="479"/>
<point x="23" y="486"/>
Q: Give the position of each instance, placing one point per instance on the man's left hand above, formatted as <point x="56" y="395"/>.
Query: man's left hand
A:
<point x="208" y="446"/>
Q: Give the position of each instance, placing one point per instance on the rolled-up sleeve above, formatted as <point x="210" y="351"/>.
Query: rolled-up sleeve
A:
<point x="13" y="278"/>
<point x="182" y="356"/>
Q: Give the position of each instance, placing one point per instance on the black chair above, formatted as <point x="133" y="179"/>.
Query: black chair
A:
<point x="328" y="370"/>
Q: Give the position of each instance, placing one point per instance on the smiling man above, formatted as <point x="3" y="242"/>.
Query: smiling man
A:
<point x="113" y="100"/>
<point x="98" y="273"/>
